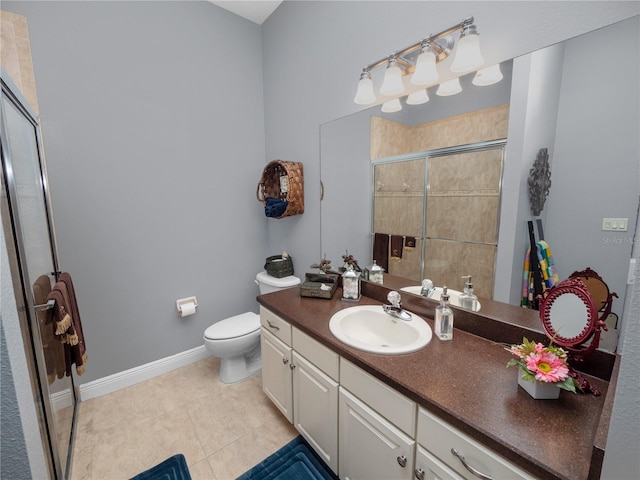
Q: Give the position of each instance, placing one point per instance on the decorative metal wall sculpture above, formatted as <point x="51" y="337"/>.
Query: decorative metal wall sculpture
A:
<point x="539" y="182"/>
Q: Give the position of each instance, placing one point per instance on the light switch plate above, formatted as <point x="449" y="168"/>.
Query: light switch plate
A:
<point x="615" y="224"/>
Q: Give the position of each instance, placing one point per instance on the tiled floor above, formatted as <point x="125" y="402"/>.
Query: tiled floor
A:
<point x="222" y="430"/>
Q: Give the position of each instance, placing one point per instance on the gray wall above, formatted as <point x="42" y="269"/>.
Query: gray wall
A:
<point x="596" y="155"/>
<point x="129" y="101"/>
<point x="153" y="126"/>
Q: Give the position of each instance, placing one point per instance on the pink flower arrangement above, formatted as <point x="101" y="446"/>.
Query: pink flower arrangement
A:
<point x="542" y="364"/>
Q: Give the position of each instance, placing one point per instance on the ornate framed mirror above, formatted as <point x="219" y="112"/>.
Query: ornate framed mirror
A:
<point x="570" y="319"/>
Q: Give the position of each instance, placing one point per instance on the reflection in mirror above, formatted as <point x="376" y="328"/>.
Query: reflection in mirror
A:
<point x="413" y="135"/>
<point x="557" y="102"/>
<point x="569" y="318"/>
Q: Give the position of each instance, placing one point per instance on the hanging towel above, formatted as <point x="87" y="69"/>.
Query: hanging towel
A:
<point x="397" y="241"/>
<point x="381" y="250"/>
<point x="547" y="272"/>
<point x="547" y="265"/>
<point x="409" y="242"/>
<point x="274" y="207"/>
<point x="65" y="317"/>
<point x="52" y="348"/>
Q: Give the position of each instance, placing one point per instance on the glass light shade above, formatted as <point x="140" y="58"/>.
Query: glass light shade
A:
<point x="418" y="98"/>
<point x="426" y="72"/>
<point x="392" y="106"/>
<point x="392" y="83"/>
<point x="488" y="76"/>
<point x="450" y="87"/>
<point x="365" y="94"/>
<point x="468" y="55"/>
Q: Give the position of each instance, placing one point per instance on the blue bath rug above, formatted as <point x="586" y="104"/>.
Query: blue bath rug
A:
<point x="173" y="468"/>
<point x="295" y="461"/>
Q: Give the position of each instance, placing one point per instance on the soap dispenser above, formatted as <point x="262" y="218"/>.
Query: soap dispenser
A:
<point x="468" y="299"/>
<point x="444" y="317"/>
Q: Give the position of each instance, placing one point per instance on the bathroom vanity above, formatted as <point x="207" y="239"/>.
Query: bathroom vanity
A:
<point x="450" y="410"/>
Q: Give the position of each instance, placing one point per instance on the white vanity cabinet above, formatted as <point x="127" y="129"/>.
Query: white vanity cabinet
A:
<point x="300" y="377"/>
<point x="276" y="352"/>
<point x="371" y="447"/>
<point x="376" y="428"/>
<point x="461" y="454"/>
<point x="429" y="467"/>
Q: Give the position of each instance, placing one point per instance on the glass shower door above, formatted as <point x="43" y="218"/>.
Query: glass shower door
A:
<point x="25" y="184"/>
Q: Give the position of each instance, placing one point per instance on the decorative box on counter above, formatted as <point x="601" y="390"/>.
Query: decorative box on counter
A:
<point x="319" y="285"/>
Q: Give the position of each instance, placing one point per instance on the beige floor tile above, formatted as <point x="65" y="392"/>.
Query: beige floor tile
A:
<point x="249" y="450"/>
<point x="139" y="448"/>
<point x="201" y="471"/>
<point x="221" y="429"/>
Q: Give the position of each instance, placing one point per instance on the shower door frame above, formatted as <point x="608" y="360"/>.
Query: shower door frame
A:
<point x="27" y="314"/>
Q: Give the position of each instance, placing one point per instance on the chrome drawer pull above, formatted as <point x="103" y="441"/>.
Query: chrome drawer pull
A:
<point x="472" y="470"/>
<point x="285" y="360"/>
<point x="272" y="325"/>
<point x="402" y="461"/>
<point x="419" y="473"/>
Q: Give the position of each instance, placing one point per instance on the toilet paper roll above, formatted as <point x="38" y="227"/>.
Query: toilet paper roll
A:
<point x="187" y="309"/>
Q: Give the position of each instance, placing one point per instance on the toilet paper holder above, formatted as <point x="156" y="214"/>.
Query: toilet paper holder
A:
<point x="186" y="302"/>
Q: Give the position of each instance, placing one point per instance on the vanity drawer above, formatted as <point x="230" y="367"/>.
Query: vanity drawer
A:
<point x="440" y="438"/>
<point x="395" y="407"/>
<point x="274" y="324"/>
<point x="323" y="358"/>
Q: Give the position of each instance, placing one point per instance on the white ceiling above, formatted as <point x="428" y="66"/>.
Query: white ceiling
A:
<point x="257" y="11"/>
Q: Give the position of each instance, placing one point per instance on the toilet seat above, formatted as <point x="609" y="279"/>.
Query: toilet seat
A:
<point x="233" y="327"/>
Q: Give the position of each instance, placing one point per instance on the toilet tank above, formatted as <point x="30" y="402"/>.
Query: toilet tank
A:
<point x="269" y="284"/>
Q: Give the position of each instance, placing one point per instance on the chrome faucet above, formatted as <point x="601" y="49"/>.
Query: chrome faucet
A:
<point x="395" y="309"/>
<point x="427" y="288"/>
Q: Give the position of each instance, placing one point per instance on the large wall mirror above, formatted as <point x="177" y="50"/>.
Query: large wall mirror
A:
<point x="586" y="116"/>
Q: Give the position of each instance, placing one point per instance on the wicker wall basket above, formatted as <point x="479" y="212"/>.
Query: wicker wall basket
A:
<point x="281" y="189"/>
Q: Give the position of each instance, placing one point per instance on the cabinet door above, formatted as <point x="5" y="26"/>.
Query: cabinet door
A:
<point x="429" y="467"/>
<point x="315" y="409"/>
<point x="370" y="447"/>
<point x="276" y="373"/>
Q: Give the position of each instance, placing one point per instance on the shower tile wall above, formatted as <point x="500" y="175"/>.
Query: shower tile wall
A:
<point x="463" y="196"/>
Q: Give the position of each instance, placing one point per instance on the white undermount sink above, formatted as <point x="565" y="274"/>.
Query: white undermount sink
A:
<point x="371" y="329"/>
<point x="454" y="295"/>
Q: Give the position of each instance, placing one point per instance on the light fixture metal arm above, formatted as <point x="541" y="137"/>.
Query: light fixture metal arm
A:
<point x="430" y="39"/>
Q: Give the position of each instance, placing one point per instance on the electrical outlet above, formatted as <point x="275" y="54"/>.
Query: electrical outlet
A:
<point x="615" y="224"/>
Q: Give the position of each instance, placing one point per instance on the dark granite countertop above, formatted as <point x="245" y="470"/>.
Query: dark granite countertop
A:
<point x="466" y="382"/>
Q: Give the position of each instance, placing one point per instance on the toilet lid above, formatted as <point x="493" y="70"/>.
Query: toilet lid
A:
<point x="232" y="327"/>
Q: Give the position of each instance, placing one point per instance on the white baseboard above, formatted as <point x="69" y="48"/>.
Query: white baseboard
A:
<point x="60" y="400"/>
<point x="117" y="381"/>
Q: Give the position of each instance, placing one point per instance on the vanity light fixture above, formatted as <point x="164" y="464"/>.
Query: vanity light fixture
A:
<point x="392" y="106"/>
<point x="448" y="88"/>
<point x="392" y="84"/>
<point x="468" y="55"/>
<point x="418" y="98"/>
<point x="365" y="94"/>
<point x="420" y="62"/>
<point x="488" y="76"/>
<point x="426" y="72"/>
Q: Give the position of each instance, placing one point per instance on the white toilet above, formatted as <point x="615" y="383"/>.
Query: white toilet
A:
<point x="236" y="340"/>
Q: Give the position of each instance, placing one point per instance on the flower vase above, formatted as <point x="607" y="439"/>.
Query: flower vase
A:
<point x="539" y="390"/>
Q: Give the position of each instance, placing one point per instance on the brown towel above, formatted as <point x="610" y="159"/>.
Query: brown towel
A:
<point x="52" y="348"/>
<point x="396" y="246"/>
<point x="65" y="318"/>
<point x="409" y="242"/>
<point x="381" y="250"/>
<point x="77" y="352"/>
